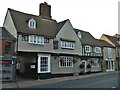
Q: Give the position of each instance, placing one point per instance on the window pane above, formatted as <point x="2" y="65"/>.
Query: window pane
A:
<point x="44" y="63"/>
<point x="8" y="47"/>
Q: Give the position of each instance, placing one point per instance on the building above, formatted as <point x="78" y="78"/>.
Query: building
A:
<point x="113" y="59"/>
<point x="45" y="48"/>
<point x="92" y="51"/>
<point x="7" y="55"/>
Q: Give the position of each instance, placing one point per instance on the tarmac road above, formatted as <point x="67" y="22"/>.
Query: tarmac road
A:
<point x="103" y="81"/>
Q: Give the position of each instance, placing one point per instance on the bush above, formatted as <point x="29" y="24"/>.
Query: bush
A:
<point x="88" y="66"/>
<point x="81" y="66"/>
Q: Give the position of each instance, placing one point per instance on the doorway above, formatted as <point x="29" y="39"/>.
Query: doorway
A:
<point x="84" y="63"/>
<point x="110" y="66"/>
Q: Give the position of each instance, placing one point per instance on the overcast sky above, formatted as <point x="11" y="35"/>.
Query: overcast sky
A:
<point x="94" y="16"/>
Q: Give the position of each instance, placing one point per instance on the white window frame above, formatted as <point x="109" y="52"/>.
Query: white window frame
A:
<point x="97" y="49"/>
<point x="39" y="63"/>
<point x="87" y="48"/>
<point x="32" y="23"/>
<point x="95" y="60"/>
<point x="67" y="44"/>
<point x="34" y="39"/>
<point x="66" y="60"/>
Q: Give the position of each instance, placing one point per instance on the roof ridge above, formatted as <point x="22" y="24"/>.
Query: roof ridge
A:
<point x="22" y="12"/>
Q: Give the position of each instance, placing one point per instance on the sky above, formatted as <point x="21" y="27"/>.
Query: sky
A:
<point x="95" y="16"/>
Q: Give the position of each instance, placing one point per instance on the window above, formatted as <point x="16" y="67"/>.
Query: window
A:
<point x="8" y="47"/>
<point x="95" y="62"/>
<point x="67" y="44"/>
<point x="55" y="44"/>
<point x="66" y="61"/>
<point x="43" y="63"/>
<point x="32" y="23"/>
<point x="97" y="49"/>
<point x="79" y="34"/>
<point x="46" y="40"/>
<point x="87" y="48"/>
<point x="36" y="39"/>
<point x="110" y="53"/>
<point x="24" y="37"/>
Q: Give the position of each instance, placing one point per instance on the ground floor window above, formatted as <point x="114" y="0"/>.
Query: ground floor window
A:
<point x="66" y="61"/>
<point x="94" y="62"/>
<point x="43" y="63"/>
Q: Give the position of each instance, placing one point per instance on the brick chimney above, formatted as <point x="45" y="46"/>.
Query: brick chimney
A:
<point x="45" y="10"/>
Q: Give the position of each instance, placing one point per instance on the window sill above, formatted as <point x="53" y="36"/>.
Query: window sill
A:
<point x="37" y="44"/>
<point x="68" y="48"/>
<point x="95" y="66"/>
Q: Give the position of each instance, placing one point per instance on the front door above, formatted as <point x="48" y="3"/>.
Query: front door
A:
<point x="110" y="65"/>
<point x="84" y="63"/>
<point x="43" y="63"/>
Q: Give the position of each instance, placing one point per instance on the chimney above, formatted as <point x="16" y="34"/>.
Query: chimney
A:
<point x="45" y="10"/>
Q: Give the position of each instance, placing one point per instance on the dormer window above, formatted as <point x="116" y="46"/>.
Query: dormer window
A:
<point x="79" y="34"/>
<point x="32" y="23"/>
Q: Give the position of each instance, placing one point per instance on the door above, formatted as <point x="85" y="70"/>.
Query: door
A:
<point x="43" y="63"/>
<point x="84" y="63"/>
<point x="110" y="65"/>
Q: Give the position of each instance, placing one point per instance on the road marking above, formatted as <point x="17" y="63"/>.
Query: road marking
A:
<point x="113" y="87"/>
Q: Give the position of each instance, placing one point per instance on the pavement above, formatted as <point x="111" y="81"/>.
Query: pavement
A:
<point x="24" y="83"/>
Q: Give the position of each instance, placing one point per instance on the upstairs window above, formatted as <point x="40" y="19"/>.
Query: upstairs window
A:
<point x="24" y="37"/>
<point x="55" y="44"/>
<point x="32" y="23"/>
<point x="33" y="39"/>
<point x="97" y="49"/>
<point x="79" y="34"/>
<point x="67" y="44"/>
<point x="87" y="48"/>
<point x="110" y="53"/>
<point x="8" y="47"/>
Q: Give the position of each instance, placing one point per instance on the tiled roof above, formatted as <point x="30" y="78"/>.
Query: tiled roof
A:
<point x="45" y="27"/>
<point x="87" y="38"/>
<point x="4" y="34"/>
<point x="112" y="39"/>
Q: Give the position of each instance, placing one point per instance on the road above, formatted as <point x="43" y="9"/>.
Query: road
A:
<point x="104" y="81"/>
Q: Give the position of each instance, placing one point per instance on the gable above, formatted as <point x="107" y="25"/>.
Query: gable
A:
<point x="67" y="32"/>
<point x="103" y="37"/>
<point x="9" y="24"/>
